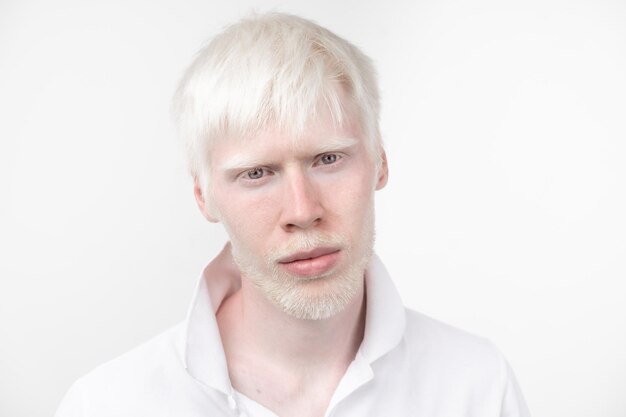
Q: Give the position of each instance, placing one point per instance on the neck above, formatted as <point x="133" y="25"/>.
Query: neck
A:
<point x="253" y="328"/>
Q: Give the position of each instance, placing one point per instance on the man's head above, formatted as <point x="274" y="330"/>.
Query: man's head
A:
<point x="271" y="71"/>
<point x="280" y="121"/>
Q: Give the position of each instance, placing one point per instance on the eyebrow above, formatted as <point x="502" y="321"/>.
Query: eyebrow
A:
<point x="242" y="160"/>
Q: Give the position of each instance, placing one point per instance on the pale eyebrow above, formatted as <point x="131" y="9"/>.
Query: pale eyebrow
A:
<point x="242" y="161"/>
<point x="336" y="144"/>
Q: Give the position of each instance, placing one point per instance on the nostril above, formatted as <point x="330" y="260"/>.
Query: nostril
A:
<point x="290" y="227"/>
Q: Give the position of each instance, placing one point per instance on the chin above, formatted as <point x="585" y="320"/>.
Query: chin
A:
<point x="317" y="298"/>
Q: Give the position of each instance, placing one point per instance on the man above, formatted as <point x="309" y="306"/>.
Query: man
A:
<point x="296" y="316"/>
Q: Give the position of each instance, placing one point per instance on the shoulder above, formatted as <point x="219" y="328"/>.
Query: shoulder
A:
<point x="439" y="367"/>
<point x="449" y="351"/>
<point x="141" y="372"/>
<point x="144" y="361"/>
<point x="430" y="333"/>
<point x="464" y="366"/>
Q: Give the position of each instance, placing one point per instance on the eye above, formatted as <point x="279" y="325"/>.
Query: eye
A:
<point x="255" y="173"/>
<point x="329" y="158"/>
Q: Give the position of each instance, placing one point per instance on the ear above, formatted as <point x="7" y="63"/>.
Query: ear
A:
<point x="202" y="204"/>
<point x="383" y="171"/>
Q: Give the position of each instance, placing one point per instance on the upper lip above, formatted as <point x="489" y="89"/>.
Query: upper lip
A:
<point x="313" y="253"/>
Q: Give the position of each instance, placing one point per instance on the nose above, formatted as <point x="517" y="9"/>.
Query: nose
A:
<point x="302" y="207"/>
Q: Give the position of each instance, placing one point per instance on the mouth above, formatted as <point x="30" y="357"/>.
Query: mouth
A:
<point x="310" y="263"/>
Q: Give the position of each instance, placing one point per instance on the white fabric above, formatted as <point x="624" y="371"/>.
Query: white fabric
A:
<point x="407" y="365"/>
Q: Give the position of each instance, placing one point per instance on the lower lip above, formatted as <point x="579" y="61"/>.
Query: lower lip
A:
<point x="313" y="266"/>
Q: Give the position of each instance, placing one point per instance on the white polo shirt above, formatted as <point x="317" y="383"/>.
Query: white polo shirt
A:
<point x="407" y="365"/>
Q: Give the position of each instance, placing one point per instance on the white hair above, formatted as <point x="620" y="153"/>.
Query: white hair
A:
<point x="271" y="71"/>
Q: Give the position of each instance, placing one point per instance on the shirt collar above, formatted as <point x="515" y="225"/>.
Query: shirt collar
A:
<point x="385" y="315"/>
<point x="203" y="353"/>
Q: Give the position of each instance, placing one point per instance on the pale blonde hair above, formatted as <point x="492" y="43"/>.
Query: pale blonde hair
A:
<point x="271" y="71"/>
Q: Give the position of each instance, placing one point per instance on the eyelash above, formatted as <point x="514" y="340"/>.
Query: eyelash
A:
<point x="317" y="162"/>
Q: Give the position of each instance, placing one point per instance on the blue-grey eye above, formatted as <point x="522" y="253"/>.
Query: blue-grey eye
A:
<point x="255" y="174"/>
<point x="329" y="158"/>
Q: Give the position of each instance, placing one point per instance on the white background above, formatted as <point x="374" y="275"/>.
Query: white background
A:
<point x="504" y="215"/>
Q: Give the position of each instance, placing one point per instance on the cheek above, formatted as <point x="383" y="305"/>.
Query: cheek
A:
<point x="359" y="186"/>
<point x="247" y="218"/>
<point x="352" y="198"/>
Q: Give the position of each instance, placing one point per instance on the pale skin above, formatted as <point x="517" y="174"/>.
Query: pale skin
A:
<point x="324" y="181"/>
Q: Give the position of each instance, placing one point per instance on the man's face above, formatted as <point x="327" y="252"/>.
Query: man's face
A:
<point x="300" y="213"/>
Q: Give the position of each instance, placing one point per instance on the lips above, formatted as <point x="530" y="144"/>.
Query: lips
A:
<point x="313" y="262"/>
<point x="303" y="255"/>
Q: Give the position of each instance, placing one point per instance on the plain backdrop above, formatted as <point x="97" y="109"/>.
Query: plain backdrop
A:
<point x="504" y="124"/>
